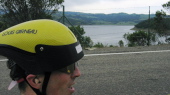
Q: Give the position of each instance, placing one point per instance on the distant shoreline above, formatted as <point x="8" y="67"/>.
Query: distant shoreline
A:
<point x="138" y="29"/>
<point x="142" y="29"/>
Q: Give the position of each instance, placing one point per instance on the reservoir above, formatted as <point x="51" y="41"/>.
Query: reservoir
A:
<point x="107" y="34"/>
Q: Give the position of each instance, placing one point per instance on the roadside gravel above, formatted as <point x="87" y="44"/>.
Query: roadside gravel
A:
<point x="127" y="49"/>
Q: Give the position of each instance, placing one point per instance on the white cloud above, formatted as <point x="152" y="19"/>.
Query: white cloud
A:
<point x="113" y="6"/>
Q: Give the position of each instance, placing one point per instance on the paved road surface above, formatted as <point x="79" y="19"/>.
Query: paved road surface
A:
<point x="131" y="74"/>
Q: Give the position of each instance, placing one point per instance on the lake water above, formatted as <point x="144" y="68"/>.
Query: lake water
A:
<point x="107" y="34"/>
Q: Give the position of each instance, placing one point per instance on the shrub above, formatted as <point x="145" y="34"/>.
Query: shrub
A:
<point x="99" y="45"/>
<point x="121" y="43"/>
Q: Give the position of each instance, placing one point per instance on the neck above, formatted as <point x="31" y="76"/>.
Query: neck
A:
<point x="28" y="91"/>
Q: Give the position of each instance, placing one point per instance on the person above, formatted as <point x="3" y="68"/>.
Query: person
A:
<point x="43" y="56"/>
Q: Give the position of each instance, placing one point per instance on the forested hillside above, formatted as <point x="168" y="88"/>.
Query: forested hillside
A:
<point x="145" y="24"/>
<point x="78" y="18"/>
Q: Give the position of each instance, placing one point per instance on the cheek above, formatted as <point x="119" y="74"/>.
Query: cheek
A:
<point x="58" y="83"/>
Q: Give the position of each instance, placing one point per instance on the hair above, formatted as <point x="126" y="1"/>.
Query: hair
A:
<point x="17" y="73"/>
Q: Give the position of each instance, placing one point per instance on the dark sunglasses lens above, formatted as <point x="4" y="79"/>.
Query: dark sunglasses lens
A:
<point x="69" y="69"/>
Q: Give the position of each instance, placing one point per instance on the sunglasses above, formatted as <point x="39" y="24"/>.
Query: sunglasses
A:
<point x="69" y="69"/>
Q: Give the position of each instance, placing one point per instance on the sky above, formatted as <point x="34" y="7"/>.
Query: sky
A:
<point x="114" y="6"/>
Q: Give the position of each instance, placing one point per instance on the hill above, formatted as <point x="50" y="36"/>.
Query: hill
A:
<point x="78" y="18"/>
<point x="145" y="24"/>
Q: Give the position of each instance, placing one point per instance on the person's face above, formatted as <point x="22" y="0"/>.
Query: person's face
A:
<point x="61" y="83"/>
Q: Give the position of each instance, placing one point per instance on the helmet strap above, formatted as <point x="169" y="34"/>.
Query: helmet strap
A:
<point x="45" y="83"/>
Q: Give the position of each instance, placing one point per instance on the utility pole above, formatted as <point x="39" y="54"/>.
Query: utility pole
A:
<point x="63" y="14"/>
<point x="149" y="28"/>
<point x="63" y="20"/>
<point x="64" y="17"/>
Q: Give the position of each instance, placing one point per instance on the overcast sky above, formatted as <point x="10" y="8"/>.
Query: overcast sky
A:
<point x="114" y="6"/>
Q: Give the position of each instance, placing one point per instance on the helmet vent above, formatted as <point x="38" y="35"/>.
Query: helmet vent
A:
<point x="41" y="48"/>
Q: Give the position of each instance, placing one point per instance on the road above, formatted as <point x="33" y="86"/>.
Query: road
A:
<point x="125" y="74"/>
<point x="122" y="74"/>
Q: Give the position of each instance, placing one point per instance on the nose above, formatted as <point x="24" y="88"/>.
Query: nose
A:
<point x="76" y="72"/>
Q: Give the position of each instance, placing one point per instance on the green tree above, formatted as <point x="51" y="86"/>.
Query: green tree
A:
<point x="139" y="38"/>
<point x="17" y="11"/>
<point x="3" y="26"/>
<point x="160" y="25"/>
<point x="87" y="42"/>
<point x="166" y="6"/>
<point x="121" y="43"/>
<point x="79" y="33"/>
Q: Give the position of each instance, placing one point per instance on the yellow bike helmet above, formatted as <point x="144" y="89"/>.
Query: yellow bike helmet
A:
<point x="40" y="46"/>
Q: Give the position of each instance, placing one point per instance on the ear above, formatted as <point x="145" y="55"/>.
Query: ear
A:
<point x="34" y="81"/>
